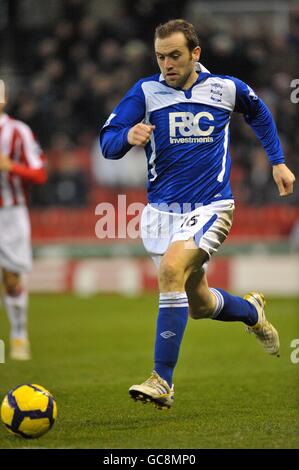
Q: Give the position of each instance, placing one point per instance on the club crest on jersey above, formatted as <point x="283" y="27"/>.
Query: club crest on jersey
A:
<point x="186" y="127"/>
<point x="216" y="92"/>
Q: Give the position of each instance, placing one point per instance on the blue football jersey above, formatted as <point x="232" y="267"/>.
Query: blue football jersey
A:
<point x="188" y="153"/>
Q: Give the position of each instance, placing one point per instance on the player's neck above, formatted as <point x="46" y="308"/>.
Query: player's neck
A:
<point x="190" y="80"/>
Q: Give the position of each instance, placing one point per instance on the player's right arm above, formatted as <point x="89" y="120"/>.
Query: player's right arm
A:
<point x="140" y="134"/>
<point x="124" y="127"/>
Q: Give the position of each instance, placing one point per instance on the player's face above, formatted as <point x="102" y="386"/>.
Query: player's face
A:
<point x="176" y="61"/>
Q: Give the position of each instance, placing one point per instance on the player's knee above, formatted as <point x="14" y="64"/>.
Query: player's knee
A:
<point x="171" y="275"/>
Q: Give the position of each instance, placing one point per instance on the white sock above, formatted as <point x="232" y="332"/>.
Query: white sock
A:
<point x="219" y="302"/>
<point x="16" y="309"/>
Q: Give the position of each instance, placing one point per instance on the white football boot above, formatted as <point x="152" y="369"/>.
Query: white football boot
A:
<point x="155" y="390"/>
<point x="20" y="349"/>
<point x="263" y="330"/>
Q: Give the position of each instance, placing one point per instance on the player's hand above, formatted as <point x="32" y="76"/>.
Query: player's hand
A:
<point x="5" y="163"/>
<point x="140" y="134"/>
<point x="284" y="179"/>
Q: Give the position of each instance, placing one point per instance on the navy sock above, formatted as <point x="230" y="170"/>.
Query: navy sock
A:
<point x="232" y="308"/>
<point x="171" y="324"/>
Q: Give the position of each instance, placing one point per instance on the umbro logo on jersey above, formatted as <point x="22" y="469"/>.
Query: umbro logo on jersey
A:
<point x="167" y="334"/>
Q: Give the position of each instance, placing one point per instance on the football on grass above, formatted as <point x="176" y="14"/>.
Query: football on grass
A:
<point x="28" y="411"/>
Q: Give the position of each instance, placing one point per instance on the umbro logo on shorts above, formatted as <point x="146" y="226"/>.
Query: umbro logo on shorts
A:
<point x="167" y="334"/>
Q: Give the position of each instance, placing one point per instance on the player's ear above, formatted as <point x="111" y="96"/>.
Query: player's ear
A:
<point x="196" y="54"/>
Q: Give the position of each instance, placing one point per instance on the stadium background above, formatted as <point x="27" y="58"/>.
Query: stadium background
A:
<point x="68" y="63"/>
<point x="93" y="308"/>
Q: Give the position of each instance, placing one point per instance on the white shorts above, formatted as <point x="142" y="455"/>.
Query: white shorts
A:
<point x="208" y="226"/>
<point x="15" y="239"/>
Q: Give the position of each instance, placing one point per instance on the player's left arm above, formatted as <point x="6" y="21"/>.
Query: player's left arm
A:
<point x="284" y="179"/>
<point x="260" y="119"/>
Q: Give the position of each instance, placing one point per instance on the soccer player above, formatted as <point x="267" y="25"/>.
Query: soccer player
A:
<point x="21" y="164"/>
<point x="181" y="117"/>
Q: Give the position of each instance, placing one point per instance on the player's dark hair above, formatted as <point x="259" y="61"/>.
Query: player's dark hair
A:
<point x="178" y="26"/>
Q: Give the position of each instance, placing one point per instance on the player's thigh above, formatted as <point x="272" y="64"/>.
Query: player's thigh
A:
<point x="10" y="279"/>
<point x="180" y="259"/>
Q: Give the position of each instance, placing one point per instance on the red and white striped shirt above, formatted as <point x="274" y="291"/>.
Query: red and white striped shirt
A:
<point x="19" y="145"/>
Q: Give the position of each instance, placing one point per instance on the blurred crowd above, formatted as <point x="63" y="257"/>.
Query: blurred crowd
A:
<point x="69" y="62"/>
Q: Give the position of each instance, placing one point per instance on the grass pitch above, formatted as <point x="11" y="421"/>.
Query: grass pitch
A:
<point x="228" y="392"/>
